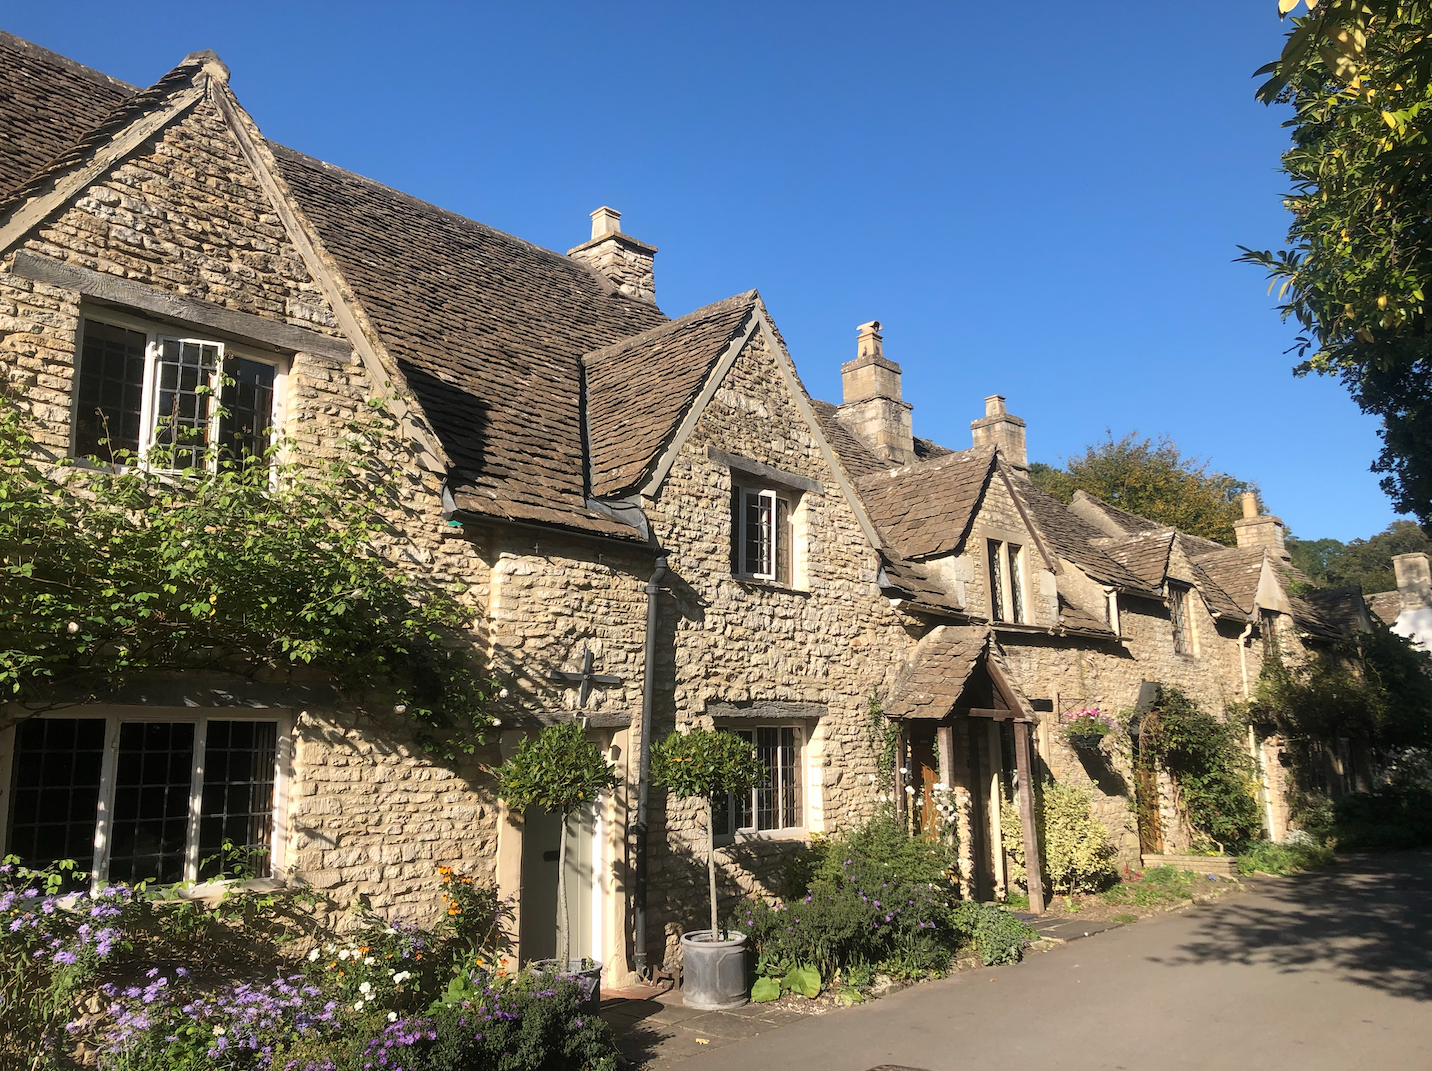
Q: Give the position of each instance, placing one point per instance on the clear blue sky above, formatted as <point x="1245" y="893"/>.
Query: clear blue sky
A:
<point x="1041" y="200"/>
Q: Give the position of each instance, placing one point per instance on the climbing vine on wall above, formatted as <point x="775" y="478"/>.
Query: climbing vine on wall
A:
<point x="1215" y="785"/>
<point x="250" y="565"/>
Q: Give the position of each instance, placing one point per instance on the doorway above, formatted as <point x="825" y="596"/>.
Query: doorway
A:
<point x="541" y="844"/>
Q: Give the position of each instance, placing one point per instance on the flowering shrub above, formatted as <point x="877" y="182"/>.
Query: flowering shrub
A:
<point x="877" y="899"/>
<point x="51" y="945"/>
<point x="390" y="996"/>
<point x="1077" y="854"/>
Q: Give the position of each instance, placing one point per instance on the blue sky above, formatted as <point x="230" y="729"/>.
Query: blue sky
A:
<point x="1041" y="200"/>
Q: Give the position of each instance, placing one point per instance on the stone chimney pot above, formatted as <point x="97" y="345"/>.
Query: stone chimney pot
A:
<point x="1250" y="504"/>
<point x="1256" y="529"/>
<point x="998" y="427"/>
<point x="871" y="406"/>
<point x="629" y="265"/>
<point x="1414" y="581"/>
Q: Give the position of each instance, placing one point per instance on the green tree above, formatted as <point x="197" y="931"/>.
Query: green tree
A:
<point x="1356" y="273"/>
<point x="1365" y="562"/>
<point x="561" y="771"/>
<point x="1154" y="479"/>
<point x="697" y="765"/>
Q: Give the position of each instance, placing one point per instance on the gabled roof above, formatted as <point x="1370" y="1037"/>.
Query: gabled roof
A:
<point x="926" y="508"/>
<point x="1145" y="555"/>
<point x="1112" y="520"/>
<point x="639" y="389"/>
<point x="939" y="670"/>
<point x="1071" y="617"/>
<point x="1072" y="538"/>
<point x="858" y="459"/>
<point x="1340" y="608"/>
<point x="50" y="102"/>
<point x="1236" y="571"/>
<point x="487" y="329"/>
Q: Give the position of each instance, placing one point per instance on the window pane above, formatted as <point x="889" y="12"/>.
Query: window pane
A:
<point x="237" y="804"/>
<point x="151" y="801"/>
<point x="791" y="811"/>
<point x="768" y="750"/>
<point x="996" y="581"/>
<point x="760" y="522"/>
<point x="185" y="373"/>
<point x="1178" y="610"/>
<point x="110" y="391"/>
<point x="248" y="409"/>
<point x="782" y="532"/>
<point x="1016" y="594"/>
<point x="744" y="816"/>
<point x="55" y="790"/>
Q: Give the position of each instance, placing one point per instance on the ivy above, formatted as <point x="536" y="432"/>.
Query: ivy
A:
<point x="1215" y="787"/>
<point x="259" y="566"/>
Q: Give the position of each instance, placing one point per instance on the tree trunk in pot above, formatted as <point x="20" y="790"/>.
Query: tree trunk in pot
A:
<point x="711" y="861"/>
<point x="564" y="947"/>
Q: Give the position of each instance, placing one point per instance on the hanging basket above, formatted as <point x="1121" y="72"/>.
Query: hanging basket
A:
<point x="1086" y="741"/>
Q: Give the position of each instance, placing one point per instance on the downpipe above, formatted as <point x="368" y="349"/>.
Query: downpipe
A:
<point x="643" y="780"/>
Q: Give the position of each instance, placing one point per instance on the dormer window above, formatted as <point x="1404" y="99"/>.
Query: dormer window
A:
<point x="1006" y="581"/>
<point x="188" y="402"/>
<point x="761" y="534"/>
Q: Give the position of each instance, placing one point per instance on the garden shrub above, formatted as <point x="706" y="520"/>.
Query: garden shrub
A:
<point x="1297" y="853"/>
<point x="1397" y="814"/>
<point x="1158" y="887"/>
<point x="1077" y="854"/>
<point x="878" y="899"/>
<point x="996" y="934"/>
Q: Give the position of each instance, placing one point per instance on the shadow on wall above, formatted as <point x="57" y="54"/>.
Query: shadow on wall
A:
<point x="1363" y="921"/>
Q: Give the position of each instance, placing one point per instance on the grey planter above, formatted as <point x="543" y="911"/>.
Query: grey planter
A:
<point x="1086" y="741"/>
<point x="584" y="972"/>
<point x="713" y="973"/>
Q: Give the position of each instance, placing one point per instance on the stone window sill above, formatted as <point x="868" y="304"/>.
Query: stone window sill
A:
<point x="767" y="585"/>
<point x="747" y="836"/>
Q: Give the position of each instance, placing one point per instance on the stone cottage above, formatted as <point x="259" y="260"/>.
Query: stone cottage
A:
<point x="654" y="522"/>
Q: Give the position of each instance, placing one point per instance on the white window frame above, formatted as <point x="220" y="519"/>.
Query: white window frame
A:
<point x="155" y="336"/>
<point x="794" y="832"/>
<point x="760" y="570"/>
<point x="104" y="811"/>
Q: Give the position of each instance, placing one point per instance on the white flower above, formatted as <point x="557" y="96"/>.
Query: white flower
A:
<point x="910" y="789"/>
<point x="904" y="769"/>
<point x="358" y="1006"/>
<point x="940" y="786"/>
<point x="496" y="721"/>
<point x="368" y="961"/>
<point x="72" y="627"/>
<point x="502" y="693"/>
<point x="343" y="954"/>
<point x="401" y="977"/>
<point x="218" y="1031"/>
<point x="366" y="988"/>
<point x="392" y="1017"/>
<point x="401" y="708"/>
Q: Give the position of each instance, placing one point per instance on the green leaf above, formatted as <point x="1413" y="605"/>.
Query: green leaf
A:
<point x="765" y="989"/>
<point x="803" y="980"/>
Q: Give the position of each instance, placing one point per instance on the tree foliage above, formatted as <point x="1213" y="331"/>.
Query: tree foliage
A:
<point x="1356" y="273"/>
<point x="255" y="566"/>
<point x="1365" y="562"/>
<point x="1154" y="479"/>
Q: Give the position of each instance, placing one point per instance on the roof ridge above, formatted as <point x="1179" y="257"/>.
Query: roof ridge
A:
<point x="282" y="151"/>
<point x="20" y="44"/>
<point x="675" y="324"/>
<point x="932" y="464"/>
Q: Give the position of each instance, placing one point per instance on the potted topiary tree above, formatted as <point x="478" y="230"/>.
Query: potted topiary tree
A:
<point x="562" y="771"/>
<point x="699" y="764"/>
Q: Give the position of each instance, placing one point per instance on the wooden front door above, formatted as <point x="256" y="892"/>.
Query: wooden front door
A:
<point x="925" y="774"/>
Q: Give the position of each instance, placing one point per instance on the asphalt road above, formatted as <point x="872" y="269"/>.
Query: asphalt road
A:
<point x="1330" y="970"/>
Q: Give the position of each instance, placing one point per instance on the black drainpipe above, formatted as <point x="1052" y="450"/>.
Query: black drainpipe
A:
<point x="643" y="779"/>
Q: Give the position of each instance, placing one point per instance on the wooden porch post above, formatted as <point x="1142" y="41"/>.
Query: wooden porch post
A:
<point x="901" y="758"/>
<point x="1026" y="813"/>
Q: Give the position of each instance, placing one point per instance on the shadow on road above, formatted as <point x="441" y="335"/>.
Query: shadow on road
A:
<point x="1366" y="921"/>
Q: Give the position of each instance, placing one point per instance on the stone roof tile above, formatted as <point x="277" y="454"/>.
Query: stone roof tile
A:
<point x="926" y="508"/>
<point x="1072" y="539"/>
<point x="1145" y="555"/>
<point x="47" y="103"/>
<point x="487" y="329"/>
<point x="639" y="389"/>
<point x="943" y="662"/>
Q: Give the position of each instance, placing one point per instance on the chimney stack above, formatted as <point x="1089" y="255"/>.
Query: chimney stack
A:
<point x="872" y="408"/>
<point x="629" y="264"/>
<point x="998" y="427"/>
<point x="1256" y="529"/>
<point x="1414" y="581"/>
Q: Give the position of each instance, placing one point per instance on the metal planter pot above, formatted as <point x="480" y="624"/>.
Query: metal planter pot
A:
<point x="584" y="972"/>
<point x="1086" y="741"/>
<point x="713" y="973"/>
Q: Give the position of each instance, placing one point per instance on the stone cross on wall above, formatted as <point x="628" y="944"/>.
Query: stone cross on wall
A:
<point x="586" y="678"/>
